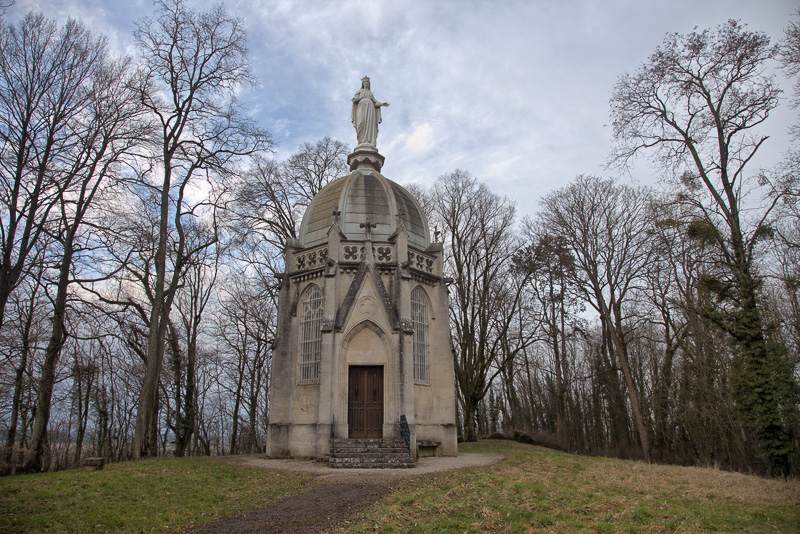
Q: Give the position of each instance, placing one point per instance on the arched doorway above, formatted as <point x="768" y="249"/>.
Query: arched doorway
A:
<point x="367" y="360"/>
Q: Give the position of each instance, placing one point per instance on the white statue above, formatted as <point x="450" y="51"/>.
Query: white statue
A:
<point x="366" y="114"/>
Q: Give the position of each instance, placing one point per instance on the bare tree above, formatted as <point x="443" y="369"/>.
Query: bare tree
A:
<point x="45" y="74"/>
<point x="694" y="106"/>
<point x="551" y="263"/>
<point x="480" y="243"/>
<point x="109" y="128"/>
<point x="264" y="210"/>
<point x="193" y="61"/>
<point x="22" y="334"/>
<point x="192" y="300"/>
<point x="269" y="202"/>
<point x="312" y="166"/>
<point x="790" y="57"/>
<point x="246" y="328"/>
<point x="604" y="226"/>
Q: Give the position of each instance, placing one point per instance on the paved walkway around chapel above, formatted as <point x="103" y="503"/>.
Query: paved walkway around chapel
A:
<point x="333" y="496"/>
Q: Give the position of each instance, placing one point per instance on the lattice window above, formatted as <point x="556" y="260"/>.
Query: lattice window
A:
<point x="419" y="318"/>
<point x="310" y="336"/>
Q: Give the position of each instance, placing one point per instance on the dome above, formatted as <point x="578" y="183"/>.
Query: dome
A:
<point x="364" y="193"/>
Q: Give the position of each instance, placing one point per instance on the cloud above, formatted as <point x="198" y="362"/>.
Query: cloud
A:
<point x="420" y="140"/>
<point x="516" y="92"/>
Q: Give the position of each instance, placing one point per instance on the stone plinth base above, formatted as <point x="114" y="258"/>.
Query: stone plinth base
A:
<point x="365" y="157"/>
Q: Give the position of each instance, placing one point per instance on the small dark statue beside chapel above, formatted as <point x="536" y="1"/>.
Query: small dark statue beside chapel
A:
<point x="362" y="366"/>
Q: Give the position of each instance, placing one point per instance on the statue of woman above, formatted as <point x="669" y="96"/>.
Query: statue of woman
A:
<point x="366" y="114"/>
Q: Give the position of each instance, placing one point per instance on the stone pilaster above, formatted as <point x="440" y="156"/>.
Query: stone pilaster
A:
<point x="283" y="373"/>
<point x="329" y="363"/>
<point x="406" y="349"/>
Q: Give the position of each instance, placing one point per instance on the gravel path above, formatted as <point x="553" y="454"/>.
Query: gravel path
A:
<point x="335" y="495"/>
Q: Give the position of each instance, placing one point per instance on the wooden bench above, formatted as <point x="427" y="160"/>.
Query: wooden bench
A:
<point x="426" y="448"/>
<point x="96" y="463"/>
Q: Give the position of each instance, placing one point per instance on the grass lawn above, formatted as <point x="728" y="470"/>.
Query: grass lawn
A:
<point x="532" y="490"/>
<point x="146" y="496"/>
<point x="540" y="490"/>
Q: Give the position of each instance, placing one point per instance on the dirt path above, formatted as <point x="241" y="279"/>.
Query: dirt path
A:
<point x="334" y="496"/>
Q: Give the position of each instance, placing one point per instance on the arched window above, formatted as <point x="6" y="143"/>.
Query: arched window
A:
<point x="419" y="318"/>
<point x="310" y="335"/>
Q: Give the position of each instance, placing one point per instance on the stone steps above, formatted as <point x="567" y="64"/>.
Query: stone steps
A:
<point x="370" y="453"/>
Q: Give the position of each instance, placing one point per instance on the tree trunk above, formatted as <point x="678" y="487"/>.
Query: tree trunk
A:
<point x="622" y="355"/>
<point x="237" y="402"/>
<point x="555" y="334"/>
<point x="17" y="397"/>
<point x="33" y="459"/>
<point x="471" y="406"/>
<point x="763" y="385"/>
<point x="145" y="438"/>
<point x="619" y="409"/>
<point x="83" y="412"/>
<point x="185" y="409"/>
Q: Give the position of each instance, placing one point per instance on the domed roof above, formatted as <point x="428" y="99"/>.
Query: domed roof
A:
<point x="361" y="194"/>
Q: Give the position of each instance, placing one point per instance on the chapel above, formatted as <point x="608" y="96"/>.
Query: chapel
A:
<point x="363" y="347"/>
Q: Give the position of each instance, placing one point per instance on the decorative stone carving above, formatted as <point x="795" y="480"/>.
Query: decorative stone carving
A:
<point x="327" y="324"/>
<point x="281" y="278"/>
<point x="330" y="266"/>
<point x="407" y="325"/>
<point x="351" y="253"/>
<point x="366" y="305"/>
<point x="311" y="260"/>
<point x="404" y="272"/>
<point x="422" y="263"/>
<point x="384" y="254"/>
<point x="356" y="253"/>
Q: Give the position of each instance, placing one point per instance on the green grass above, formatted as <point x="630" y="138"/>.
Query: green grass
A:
<point x="540" y="490"/>
<point x="146" y="496"/>
<point x="532" y="490"/>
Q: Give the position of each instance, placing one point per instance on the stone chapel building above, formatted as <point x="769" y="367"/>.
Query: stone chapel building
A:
<point x="363" y="327"/>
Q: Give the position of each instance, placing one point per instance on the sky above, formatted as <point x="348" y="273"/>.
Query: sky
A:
<point x="515" y="92"/>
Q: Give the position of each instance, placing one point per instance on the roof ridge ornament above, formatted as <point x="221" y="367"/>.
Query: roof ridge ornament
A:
<point x="368" y="226"/>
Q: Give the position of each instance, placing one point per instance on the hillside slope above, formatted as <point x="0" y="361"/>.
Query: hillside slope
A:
<point x="541" y="490"/>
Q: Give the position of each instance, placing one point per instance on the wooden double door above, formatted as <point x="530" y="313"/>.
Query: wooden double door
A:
<point x="365" y="401"/>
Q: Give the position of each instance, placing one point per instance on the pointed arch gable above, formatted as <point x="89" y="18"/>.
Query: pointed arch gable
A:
<point x="364" y="271"/>
<point x="367" y="343"/>
<point x="367" y="325"/>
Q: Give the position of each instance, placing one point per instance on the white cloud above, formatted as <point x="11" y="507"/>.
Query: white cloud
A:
<point x="420" y="140"/>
